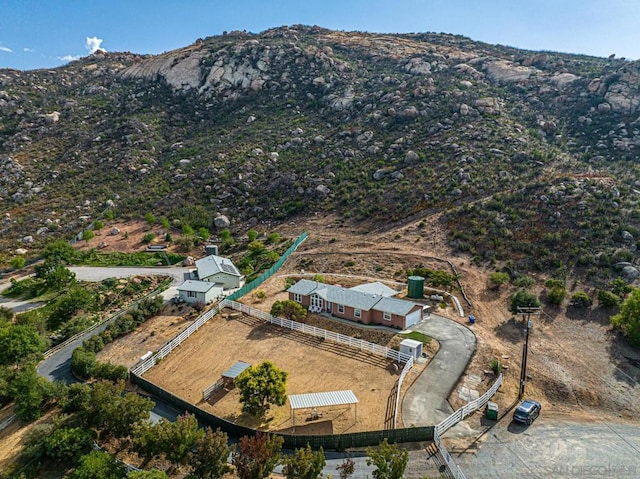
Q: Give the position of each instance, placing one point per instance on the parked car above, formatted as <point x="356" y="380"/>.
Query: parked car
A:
<point x="527" y="411"/>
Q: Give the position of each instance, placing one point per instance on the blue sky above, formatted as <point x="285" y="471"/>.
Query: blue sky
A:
<point x="48" y="33"/>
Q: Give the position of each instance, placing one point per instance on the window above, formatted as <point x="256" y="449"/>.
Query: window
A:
<point x="386" y="316"/>
<point x="341" y="308"/>
<point x="357" y="313"/>
<point x="297" y="297"/>
<point x="192" y="294"/>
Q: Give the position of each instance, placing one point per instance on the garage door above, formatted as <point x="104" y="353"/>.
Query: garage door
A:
<point x="413" y="318"/>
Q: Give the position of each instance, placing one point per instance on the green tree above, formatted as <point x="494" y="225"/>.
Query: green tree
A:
<point x="556" y="295"/>
<point x="88" y="235"/>
<point x="304" y="464"/>
<point x="256" y="456"/>
<point x="255" y="247"/>
<point x="180" y="437"/>
<point x="628" y="319"/>
<point x="165" y="223"/>
<point x="390" y="461"/>
<point x="209" y="456"/>
<point x="98" y="465"/>
<point x="6" y="317"/>
<point x="150" y="218"/>
<point x="524" y="282"/>
<point x="318" y="277"/>
<point x="30" y="392"/>
<point x="59" y="277"/>
<point x="98" y="225"/>
<point x="108" y="215"/>
<point x="261" y="386"/>
<point x="581" y="299"/>
<point x="273" y="238"/>
<point x="114" y="413"/>
<point x="523" y="299"/>
<point x="148" y="238"/>
<point x="18" y="262"/>
<point x="252" y="235"/>
<point x="288" y="309"/>
<point x="59" y="251"/>
<point x="20" y="342"/>
<point x="66" y="306"/>
<point x="498" y="278"/>
<point x="67" y="444"/>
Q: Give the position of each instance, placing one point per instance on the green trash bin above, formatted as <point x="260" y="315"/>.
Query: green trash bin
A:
<point x="492" y="411"/>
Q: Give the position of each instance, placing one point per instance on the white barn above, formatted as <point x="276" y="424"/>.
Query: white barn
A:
<point x="204" y="292"/>
<point x="216" y="269"/>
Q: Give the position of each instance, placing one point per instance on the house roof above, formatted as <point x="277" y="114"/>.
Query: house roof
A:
<point x="376" y="288"/>
<point x="394" y="306"/>
<point x="353" y="298"/>
<point x="331" y="398"/>
<point x="212" y="264"/>
<point x="348" y="297"/>
<point x="197" y="286"/>
<point x="305" y="287"/>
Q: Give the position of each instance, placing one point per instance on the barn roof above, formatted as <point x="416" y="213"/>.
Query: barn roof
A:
<point x="331" y="398"/>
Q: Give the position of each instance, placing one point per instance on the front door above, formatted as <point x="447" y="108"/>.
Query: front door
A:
<point x="317" y="302"/>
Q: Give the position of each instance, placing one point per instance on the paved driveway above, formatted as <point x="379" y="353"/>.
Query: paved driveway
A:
<point x="425" y="403"/>
<point x="554" y="449"/>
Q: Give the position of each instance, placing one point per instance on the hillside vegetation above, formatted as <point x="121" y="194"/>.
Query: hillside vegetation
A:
<point x="531" y="157"/>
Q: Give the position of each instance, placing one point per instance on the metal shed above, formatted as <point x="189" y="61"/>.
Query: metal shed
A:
<point x="412" y="347"/>
<point x="324" y="399"/>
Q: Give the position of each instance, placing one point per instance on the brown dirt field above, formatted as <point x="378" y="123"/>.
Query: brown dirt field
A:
<point x="149" y="336"/>
<point x="313" y="366"/>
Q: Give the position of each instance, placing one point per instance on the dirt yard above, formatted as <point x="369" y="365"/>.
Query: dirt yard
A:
<point x="577" y="364"/>
<point x="313" y="366"/>
<point x="149" y="336"/>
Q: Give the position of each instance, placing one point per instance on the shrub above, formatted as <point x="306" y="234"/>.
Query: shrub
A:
<point x="98" y="225"/>
<point x="523" y="299"/>
<point x="18" y="262"/>
<point x="608" y="299"/>
<point x="150" y="218"/>
<point x="556" y="296"/>
<point x="148" y="238"/>
<point x="524" y="282"/>
<point x="581" y="300"/>
<point x="496" y="366"/>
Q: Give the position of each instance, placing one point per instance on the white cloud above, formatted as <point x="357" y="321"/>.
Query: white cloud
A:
<point x="5" y="49"/>
<point x="28" y="50"/>
<point x="92" y="44"/>
<point x="69" y="58"/>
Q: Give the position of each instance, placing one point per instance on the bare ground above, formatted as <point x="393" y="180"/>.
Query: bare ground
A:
<point x="313" y="366"/>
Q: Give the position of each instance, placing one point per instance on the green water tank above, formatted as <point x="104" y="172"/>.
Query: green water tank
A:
<point x="415" y="287"/>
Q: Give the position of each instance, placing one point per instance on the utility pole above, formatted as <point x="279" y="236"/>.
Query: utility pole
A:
<point x="526" y="311"/>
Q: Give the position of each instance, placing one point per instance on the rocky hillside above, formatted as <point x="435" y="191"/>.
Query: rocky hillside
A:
<point x="531" y="157"/>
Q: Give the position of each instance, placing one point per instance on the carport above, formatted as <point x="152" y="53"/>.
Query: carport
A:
<point x="324" y="399"/>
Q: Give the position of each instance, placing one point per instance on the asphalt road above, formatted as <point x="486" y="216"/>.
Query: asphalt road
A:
<point x="425" y="403"/>
<point x="554" y="449"/>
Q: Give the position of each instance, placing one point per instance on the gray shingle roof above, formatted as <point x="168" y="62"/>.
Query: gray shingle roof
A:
<point x="375" y="288"/>
<point x="353" y="298"/>
<point x="197" y="286"/>
<point x="212" y="264"/>
<point x="394" y="306"/>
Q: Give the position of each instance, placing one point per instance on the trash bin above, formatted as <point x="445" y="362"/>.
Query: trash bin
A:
<point x="472" y="319"/>
<point x="492" y="411"/>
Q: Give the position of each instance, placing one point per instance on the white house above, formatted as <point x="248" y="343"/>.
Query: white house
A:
<point x="204" y="292"/>
<point x="216" y="269"/>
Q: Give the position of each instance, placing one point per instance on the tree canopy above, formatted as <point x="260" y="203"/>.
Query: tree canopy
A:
<point x="261" y="386"/>
<point x="523" y="299"/>
<point x="390" y="461"/>
<point x="304" y="464"/>
<point x="628" y="319"/>
<point x="288" y="309"/>
<point x="256" y="456"/>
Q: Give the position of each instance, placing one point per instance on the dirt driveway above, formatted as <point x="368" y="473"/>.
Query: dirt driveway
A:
<point x="313" y="366"/>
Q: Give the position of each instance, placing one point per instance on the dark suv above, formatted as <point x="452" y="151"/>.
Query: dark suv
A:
<point x="527" y="411"/>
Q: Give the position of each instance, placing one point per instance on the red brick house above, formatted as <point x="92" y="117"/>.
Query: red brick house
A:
<point x="356" y="304"/>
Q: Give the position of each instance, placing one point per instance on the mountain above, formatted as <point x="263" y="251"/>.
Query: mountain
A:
<point x="529" y="158"/>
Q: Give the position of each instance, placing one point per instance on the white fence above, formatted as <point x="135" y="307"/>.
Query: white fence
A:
<point x="321" y="333"/>
<point x="143" y="366"/>
<point x="407" y="366"/>
<point x="454" y="419"/>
